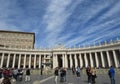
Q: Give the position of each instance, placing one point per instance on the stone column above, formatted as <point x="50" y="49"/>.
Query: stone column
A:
<point x="66" y="61"/>
<point x="2" y="59"/>
<point x="108" y="58"/>
<point x="71" y="61"/>
<point x="91" y="60"/>
<point x="76" y="61"/>
<point x="13" y="64"/>
<point x="54" y="66"/>
<point x="44" y="61"/>
<point x="55" y="61"/>
<point x="8" y="60"/>
<point x="63" y="60"/>
<point x="35" y="61"/>
<point x="19" y="61"/>
<point x="86" y="61"/>
<point x="24" y="61"/>
<point x="39" y="61"/>
<point x="102" y="59"/>
<point x="30" y="61"/>
<point x="96" y="59"/>
<point x="81" y="61"/>
<point x="115" y="59"/>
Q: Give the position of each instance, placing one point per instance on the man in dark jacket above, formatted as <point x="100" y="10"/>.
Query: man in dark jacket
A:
<point x="111" y="75"/>
<point x="56" y="73"/>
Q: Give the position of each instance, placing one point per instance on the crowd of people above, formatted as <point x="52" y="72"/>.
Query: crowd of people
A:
<point x="62" y="73"/>
<point x="76" y="71"/>
<point x="6" y="74"/>
<point x="90" y="72"/>
<point x="12" y="75"/>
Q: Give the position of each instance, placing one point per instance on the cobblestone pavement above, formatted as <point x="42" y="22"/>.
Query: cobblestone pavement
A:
<point x="71" y="79"/>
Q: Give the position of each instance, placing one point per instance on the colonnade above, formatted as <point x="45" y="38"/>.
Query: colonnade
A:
<point x="16" y="60"/>
<point x="103" y="59"/>
<point x="100" y="57"/>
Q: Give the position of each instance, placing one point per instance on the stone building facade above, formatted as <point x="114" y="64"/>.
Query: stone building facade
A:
<point x="15" y="39"/>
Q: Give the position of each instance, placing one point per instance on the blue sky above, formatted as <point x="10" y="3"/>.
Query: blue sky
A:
<point x="69" y="22"/>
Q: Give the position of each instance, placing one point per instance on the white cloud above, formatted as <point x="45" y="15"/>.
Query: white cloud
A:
<point x="56" y="14"/>
<point x="51" y="29"/>
<point x="55" y="17"/>
<point x="100" y="27"/>
<point x="113" y="11"/>
<point x="95" y="33"/>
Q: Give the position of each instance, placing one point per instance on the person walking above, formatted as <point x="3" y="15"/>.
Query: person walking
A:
<point x="88" y="69"/>
<point x="64" y="74"/>
<point x="15" y="74"/>
<point x="78" y="71"/>
<point x="27" y="78"/>
<point x="94" y="76"/>
<point x="111" y="73"/>
<point x="73" y="70"/>
<point x="20" y="74"/>
<point x="56" y="73"/>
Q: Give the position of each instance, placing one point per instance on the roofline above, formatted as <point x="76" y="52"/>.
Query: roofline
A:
<point x="16" y="32"/>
